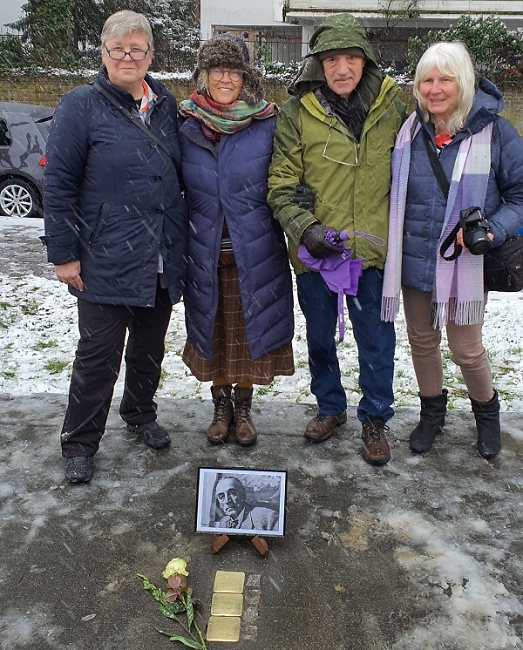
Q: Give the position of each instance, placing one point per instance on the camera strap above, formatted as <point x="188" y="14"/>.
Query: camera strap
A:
<point x="435" y="163"/>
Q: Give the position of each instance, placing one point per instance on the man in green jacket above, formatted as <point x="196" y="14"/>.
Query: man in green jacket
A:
<point x="335" y="136"/>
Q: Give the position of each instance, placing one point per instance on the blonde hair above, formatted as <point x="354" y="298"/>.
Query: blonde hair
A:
<point x="125" y="22"/>
<point x="450" y="59"/>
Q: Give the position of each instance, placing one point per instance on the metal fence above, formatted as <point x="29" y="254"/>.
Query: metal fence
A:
<point x="264" y="50"/>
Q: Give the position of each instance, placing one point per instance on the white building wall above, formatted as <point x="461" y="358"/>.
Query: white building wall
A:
<point x="437" y="6"/>
<point x="239" y="12"/>
<point x="10" y="11"/>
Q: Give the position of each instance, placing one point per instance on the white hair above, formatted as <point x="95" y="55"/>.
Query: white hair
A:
<point x="450" y="59"/>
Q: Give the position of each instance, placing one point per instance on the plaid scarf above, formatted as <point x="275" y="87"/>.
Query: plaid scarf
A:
<point x="223" y="118"/>
<point x="458" y="293"/>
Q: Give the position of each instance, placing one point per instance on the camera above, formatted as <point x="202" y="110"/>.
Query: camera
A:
<point x="475" y="229"/>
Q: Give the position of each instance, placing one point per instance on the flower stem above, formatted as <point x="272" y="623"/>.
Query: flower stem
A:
<point x="200" y="636"/>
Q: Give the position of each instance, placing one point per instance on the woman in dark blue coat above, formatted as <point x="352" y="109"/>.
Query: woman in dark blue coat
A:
<point x="480" y="155"/>
<point x="116" y="231"/>
<point x="238" y="299"/>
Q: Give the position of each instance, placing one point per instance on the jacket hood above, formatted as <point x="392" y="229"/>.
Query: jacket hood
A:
<point x="488" y="101"/>
<point x="311" y="76"/>
<point x="337" y="32"/>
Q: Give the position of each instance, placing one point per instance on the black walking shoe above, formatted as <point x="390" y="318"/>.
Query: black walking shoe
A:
<point x="151" y="433"/>
<point x="78" y="469"/>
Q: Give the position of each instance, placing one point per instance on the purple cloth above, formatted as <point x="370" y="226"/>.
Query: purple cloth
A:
<point x="341" y="275"/>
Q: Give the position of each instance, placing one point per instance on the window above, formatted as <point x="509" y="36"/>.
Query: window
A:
<point x="5" y="138"/>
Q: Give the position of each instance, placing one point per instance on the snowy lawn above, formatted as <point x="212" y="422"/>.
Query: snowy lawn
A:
<point x="38" y="336"/>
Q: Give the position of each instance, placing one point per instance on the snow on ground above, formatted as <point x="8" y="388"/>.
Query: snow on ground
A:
<point x="38" y="336"/>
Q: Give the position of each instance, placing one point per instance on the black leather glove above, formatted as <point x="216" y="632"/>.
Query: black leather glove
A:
<point x="314" y="241"/>
<point x="304" y="197"/>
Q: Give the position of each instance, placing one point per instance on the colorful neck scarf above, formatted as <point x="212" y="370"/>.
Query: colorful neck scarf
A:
<point x="147" y="104"/>
<point x="225" y="118"/>
<point x="458" y="293"/>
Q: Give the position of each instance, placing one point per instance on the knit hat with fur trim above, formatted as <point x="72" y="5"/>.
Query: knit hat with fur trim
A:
<point x="228" y="51"/>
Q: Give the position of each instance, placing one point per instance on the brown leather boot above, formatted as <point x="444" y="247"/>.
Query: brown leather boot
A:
<point x="244" y="426"/>
<point x="223" y="414"/>
<point x="376" y="450"/>
<point x="322" y="426"/>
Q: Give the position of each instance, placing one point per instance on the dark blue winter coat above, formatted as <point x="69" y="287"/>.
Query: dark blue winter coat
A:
<point x="425" y="209"/>
<point x="230" y="182"/>
<point x="112" y="198"/>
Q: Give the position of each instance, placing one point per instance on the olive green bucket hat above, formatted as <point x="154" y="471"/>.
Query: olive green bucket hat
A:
<point x="340" y="32"/>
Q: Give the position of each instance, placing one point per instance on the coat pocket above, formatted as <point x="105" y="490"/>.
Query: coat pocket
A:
<point x="100" y="222"/>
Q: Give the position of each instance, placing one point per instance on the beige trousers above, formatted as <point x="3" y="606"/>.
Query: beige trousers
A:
<point x="465" y="344"/>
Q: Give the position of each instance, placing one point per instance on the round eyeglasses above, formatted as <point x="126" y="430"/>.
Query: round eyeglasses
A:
<point x="217" y="74"/>
<point x="119" y="55"/>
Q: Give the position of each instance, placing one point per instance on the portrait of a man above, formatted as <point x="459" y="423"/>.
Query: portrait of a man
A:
<point x="241" y="501"/>
<point x="231" y="499"/>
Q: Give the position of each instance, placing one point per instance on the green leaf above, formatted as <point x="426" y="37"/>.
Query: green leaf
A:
<point x="187" y="642"/>
<point x="176" y="607"/>
<point x="190" y="643"/>
<point x="171" y="612"/>
<point x="190" y="610"/>
<point x="157" y="593"/>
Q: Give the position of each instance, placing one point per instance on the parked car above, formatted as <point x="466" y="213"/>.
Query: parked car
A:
<point x="23" y="136"/>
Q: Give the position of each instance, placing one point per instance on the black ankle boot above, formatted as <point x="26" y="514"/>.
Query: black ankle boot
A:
<point x="431" y="421"/>
<point x="487" y="424"/>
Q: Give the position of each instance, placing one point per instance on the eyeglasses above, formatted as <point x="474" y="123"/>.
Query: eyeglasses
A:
<point x="218" y="73"/>
<point x="340" y="162"/>
<point x="134" y="55"/>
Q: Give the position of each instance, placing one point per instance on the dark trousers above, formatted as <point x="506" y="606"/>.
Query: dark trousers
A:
<point x="97" y="363"/>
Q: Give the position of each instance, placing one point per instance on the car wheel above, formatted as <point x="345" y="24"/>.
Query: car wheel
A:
<point x="19" y="199"/>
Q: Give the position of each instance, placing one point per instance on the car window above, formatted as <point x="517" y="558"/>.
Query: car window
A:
<point x="5" y="138"/>
<point x="43" y="126"/>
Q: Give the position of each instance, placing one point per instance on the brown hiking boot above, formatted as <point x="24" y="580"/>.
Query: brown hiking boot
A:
<point x="244" y="429"/>
<point x="322" y="426"/>
<point x="223" y="414"/>
<point x="376" y="450"/>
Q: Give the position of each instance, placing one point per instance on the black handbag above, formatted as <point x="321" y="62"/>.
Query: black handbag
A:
<point x="502" y="266"/>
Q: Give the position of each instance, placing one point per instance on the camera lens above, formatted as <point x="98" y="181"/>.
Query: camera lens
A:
<point x="475" y="229"/>
<point x="480" y="246"/>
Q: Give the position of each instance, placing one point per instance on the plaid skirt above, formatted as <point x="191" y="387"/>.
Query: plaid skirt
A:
<point x="230" y="353"/>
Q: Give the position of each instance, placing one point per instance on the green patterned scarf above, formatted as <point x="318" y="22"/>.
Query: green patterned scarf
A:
<point x="225" y="118"/>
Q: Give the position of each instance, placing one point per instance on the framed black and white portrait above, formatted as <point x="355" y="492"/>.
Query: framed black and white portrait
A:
<point x="241" y="501"/>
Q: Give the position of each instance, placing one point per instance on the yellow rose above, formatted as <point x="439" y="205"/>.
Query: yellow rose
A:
<point x="175" y="567"/>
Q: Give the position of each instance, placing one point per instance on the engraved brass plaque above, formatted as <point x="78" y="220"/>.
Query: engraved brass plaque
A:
<point x="223" y="628"/>
<point x="229" y="581"/>
<point x="224" y="604"/>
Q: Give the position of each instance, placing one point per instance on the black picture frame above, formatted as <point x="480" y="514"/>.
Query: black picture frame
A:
<point x="239" y="501"/>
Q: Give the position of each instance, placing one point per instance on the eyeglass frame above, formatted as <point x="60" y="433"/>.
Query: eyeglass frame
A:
<point x="356" y="147"/>
<point x="125" y="53"/>
<point x="235" y="71"/>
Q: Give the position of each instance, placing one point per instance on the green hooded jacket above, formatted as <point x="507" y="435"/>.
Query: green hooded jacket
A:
<point x="350" y="179"/>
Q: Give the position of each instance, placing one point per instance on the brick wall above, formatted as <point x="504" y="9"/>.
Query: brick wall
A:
<point x="47" y="90"/>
